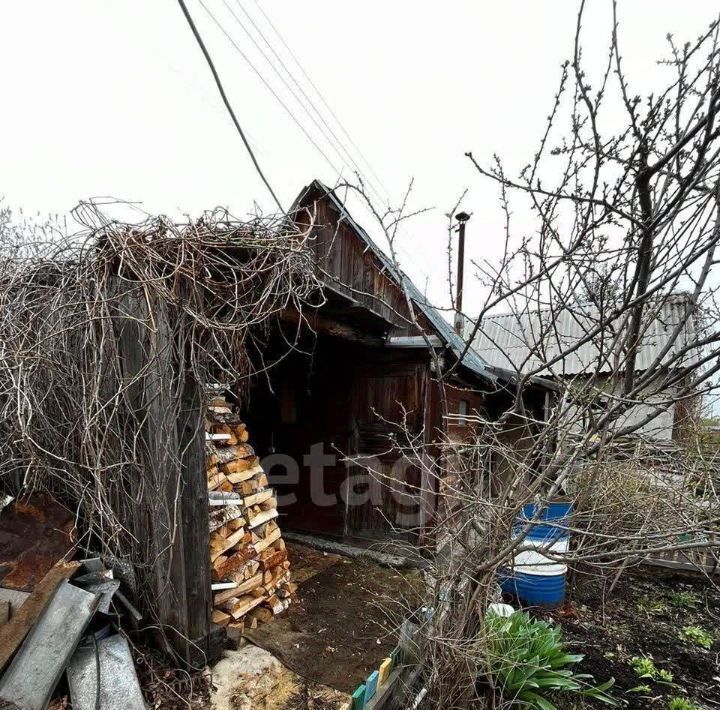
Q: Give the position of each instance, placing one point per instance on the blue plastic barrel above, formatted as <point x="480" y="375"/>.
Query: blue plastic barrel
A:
<point x="553" y="519"/>
<point x="534" y="578"/>
<point x="536" y="590"/>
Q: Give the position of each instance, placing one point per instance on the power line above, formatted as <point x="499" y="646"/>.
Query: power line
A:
<point x="337" y="145"/>
<point x="269" y="87"/>
<point x="209" y="60"/>
<point x="407" y="255"/>
<point x="322" y="98"/>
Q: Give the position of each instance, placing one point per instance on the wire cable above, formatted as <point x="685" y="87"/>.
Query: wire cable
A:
<point x="322" y="98"/>
<point x="342" y="151"/>
<point x="269" y="87"/>
<point x="229" y="108"/>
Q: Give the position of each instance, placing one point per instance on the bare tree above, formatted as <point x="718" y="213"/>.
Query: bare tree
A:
<point x="612" y="304"/>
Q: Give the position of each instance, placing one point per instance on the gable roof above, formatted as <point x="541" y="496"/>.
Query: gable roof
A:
<point x="467" y="356"/>
<point x="526" y="341"/>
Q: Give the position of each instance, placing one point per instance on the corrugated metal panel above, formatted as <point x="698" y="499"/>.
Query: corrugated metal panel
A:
<point x="529" y="340"/>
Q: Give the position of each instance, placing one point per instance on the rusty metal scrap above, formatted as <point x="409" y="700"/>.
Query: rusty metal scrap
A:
<point x="34" y="534"/>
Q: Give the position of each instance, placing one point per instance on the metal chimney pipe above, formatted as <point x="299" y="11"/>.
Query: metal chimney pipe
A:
<point x="462" y="218"/>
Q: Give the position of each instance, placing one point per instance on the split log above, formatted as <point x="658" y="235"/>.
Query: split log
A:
<point x="258" y="498"/>
<point x="261" y="614"/>
<point x="236" y="524"/>
<point x="269" y="503"/>
<point x="227" y="454"/>
<point x="232" y="564"/>
<point x="218" y="546"/>
<point x="277" y="605"/>
<point x="244" y="474"/>
<point x="247" y="489"/>
<point x="225" y="514"/>
<point x="262" y="517"/>
<point x="221" y="597"/>
<point x="220" y="617"/>
<point x="242" y="605"/>
<point x="219" y="409"/>
<point x="273" y="560"/>
<point x="262" y="544"/>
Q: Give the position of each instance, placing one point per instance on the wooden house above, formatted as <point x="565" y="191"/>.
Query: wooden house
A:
<point x="363" y="382"/>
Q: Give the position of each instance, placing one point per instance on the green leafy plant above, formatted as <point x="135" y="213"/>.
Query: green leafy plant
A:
<point x="681" y="704"/>
<point x="664" y="676"/>
<point x="644" y="667"/>
<point x="528" y="660"/>
<point x="644" y="689"/>
<point x="683" y="599"/>
<point x="653" y="605"/>
<point x="697" y="636"/>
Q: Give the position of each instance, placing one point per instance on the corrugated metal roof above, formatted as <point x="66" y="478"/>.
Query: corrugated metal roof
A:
<point x="444" y="330"/>
<point x="529" y="340"/>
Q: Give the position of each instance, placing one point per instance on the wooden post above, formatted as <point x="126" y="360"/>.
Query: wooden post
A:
<point x="166" y="403"/>
<point x="205" y="639"/>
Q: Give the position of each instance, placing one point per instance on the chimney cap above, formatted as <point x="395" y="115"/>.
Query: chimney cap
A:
<point x="462" y="217"/>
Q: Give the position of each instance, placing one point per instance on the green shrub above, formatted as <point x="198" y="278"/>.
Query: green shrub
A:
<point x="528" y="661"/>
<point x="645" y="667"/>
<point x="698" y="636"/>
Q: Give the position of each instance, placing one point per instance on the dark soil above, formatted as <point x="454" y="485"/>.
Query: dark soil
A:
<point x="644" y="616"/>
<point x="344" y="621"/>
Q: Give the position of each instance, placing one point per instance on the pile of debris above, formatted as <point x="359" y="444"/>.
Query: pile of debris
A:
<point x="59" y="617"/>
<point x="250" y="566"/>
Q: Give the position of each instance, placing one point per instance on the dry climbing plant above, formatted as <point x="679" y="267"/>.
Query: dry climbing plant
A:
<point x="101" y="335"/>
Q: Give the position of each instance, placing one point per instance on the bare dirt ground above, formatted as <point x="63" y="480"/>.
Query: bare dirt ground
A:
<point x="344" y="620"/>
<point x="645" y="616"/>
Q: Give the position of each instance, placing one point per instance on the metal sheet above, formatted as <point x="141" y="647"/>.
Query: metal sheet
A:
<point x="34" y="534"/>
<point x="522" y="341"/>
<point x="106" y="588"/>
<point x="119" y="687"/>
<point x="41" y="660"/>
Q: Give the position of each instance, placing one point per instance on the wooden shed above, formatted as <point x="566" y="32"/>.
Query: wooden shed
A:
<point x="362" y="382"/>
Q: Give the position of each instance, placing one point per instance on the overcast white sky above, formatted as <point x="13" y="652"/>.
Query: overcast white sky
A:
<point x="114" y="98"/>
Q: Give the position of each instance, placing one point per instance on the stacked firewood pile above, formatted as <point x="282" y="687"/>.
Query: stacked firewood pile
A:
<point x="250" y="567"/>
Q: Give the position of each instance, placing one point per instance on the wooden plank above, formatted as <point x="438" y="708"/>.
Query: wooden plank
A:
<point x="384" y="672"/>
<point x="13" y="598"/>
<point x="13" y="633"/>
<point x="34" y="672"/>
<point x="358" y="698"/>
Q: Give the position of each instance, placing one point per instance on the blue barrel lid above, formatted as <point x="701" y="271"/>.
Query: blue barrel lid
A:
<point x="549" y="513"/>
